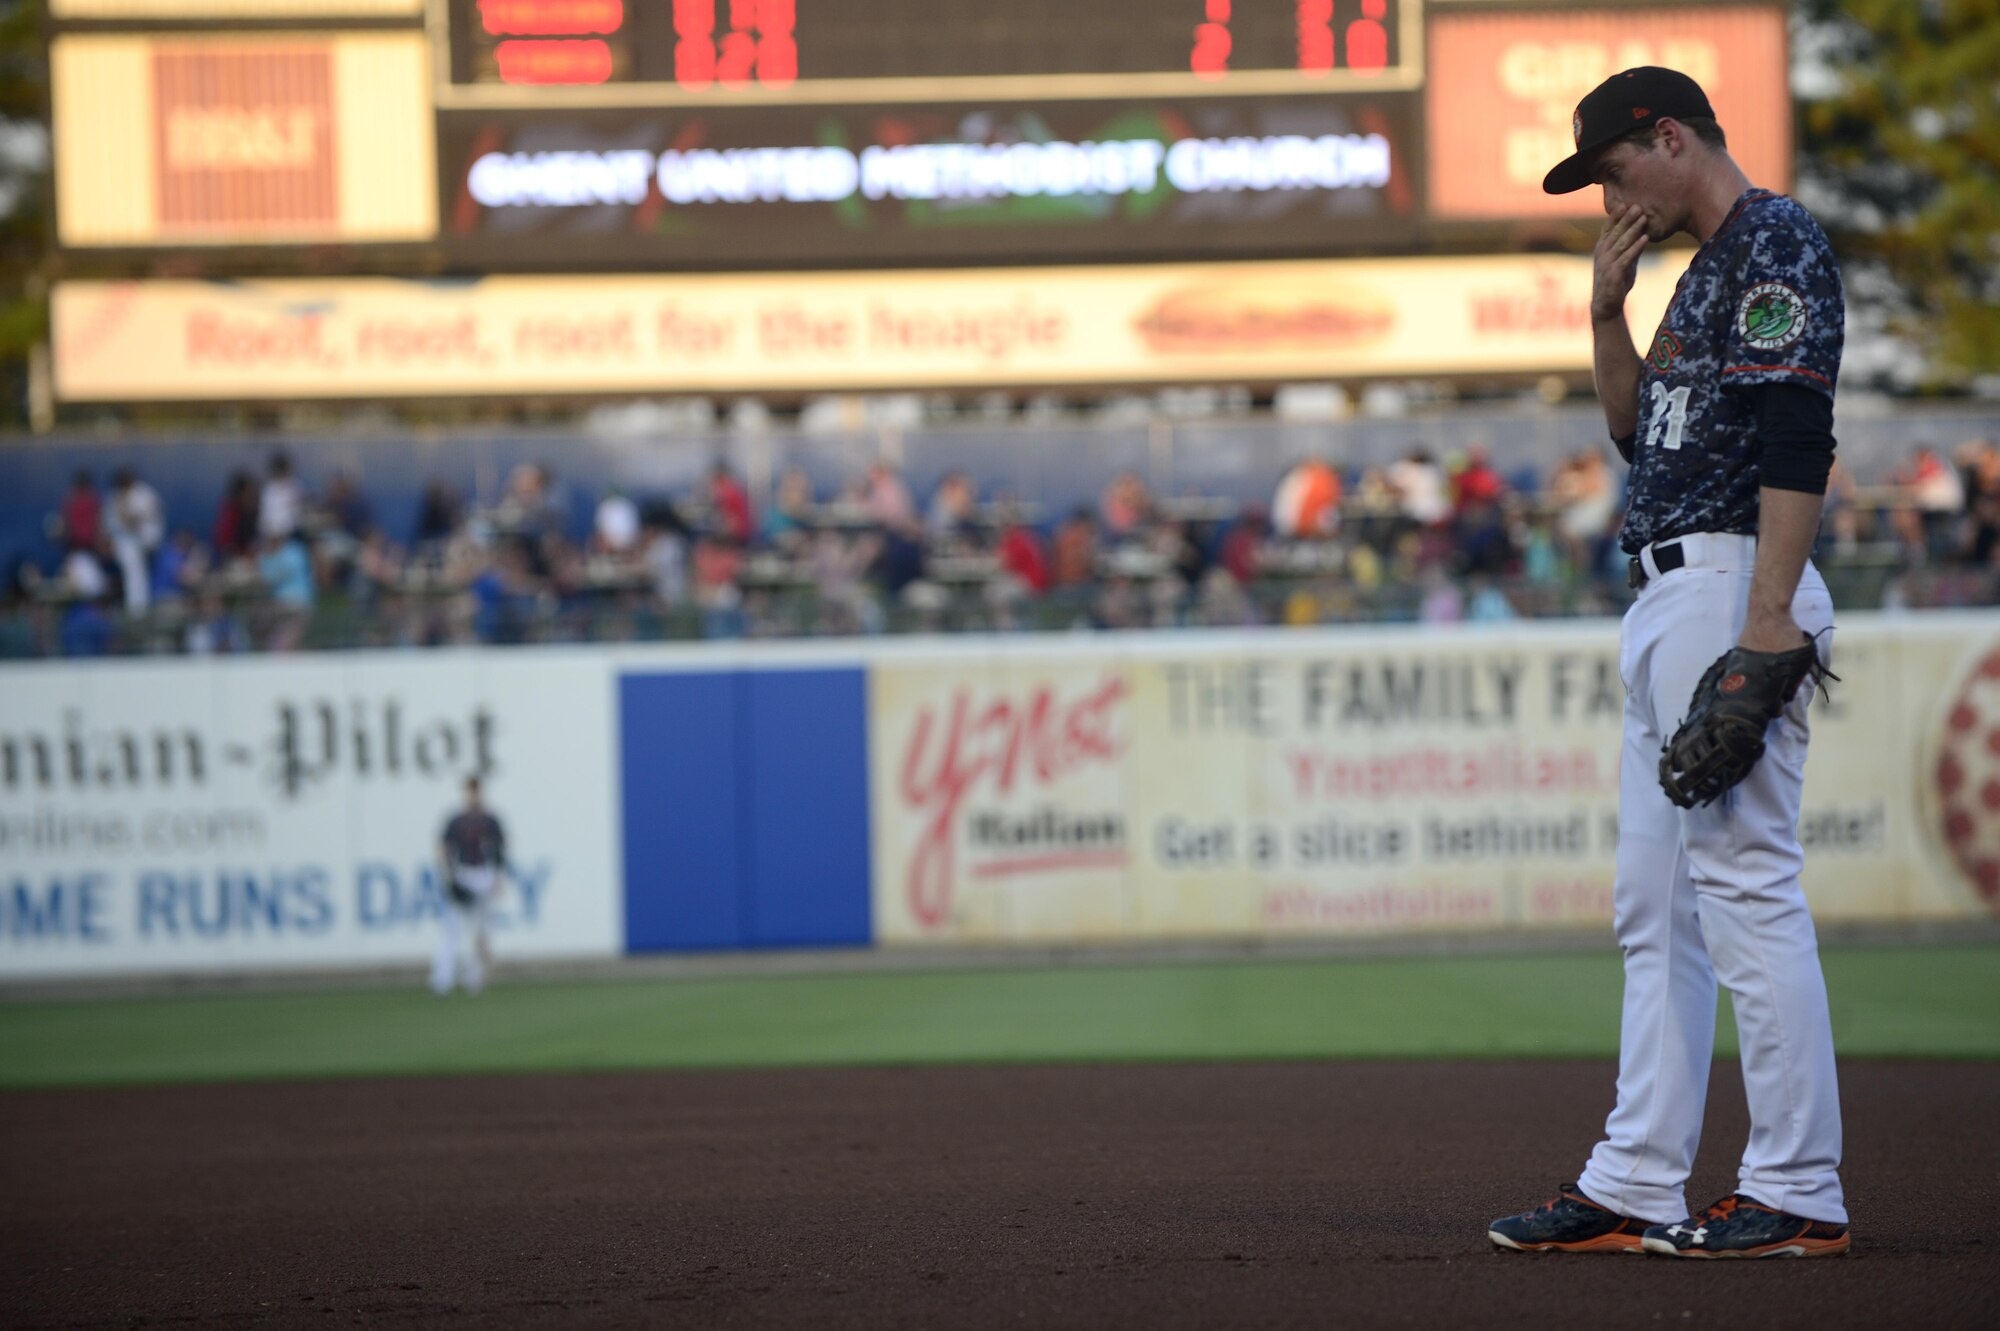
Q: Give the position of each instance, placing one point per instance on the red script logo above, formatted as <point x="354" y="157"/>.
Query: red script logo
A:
<point x="1037" y="739"/>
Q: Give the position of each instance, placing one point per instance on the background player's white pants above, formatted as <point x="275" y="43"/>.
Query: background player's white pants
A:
<point x="1710" y="893"/>
<point x="461" y="947"/>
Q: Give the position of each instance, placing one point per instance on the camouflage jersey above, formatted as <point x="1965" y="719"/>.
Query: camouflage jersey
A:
<point x="1760" y="304"/>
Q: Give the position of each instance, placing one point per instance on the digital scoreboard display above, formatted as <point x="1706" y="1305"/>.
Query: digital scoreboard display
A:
<point x="718" y="133"/>
<point x="768" y="185"/>
<point x="805" y="49"/>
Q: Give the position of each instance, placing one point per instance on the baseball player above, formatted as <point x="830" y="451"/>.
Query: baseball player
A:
<point x="1725" y="415"/>
<point x="472" y="854"/>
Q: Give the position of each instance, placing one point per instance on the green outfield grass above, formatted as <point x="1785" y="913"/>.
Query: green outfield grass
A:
<point x="1937" y="1001"/>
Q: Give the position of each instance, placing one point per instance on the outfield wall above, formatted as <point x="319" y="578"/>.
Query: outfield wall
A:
<point x="207" y="816"/>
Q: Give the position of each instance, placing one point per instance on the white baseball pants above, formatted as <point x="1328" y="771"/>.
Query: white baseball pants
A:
<point x="1710" y="894"/>
<point x="461" y="948"/>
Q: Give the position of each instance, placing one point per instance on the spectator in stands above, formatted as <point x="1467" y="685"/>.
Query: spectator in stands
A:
<point x="1020" y="552"/>
<point x="527" y="510"/>
<point x="1485" y="542"/>
<point x="1240" y="546"/>
<point x="1840" y="520"/>
<point x="1982" y="488"/>
<point x="83" y="577"/>
<point x="1488" y="604"/>
<point x="1585" y="497"/>
<point x="19" y="636"/>
<point x="1419" y="484"/>
<point x="886" y="497"/>
<point x="785" y="521"/>
<point x="663" y="550"/>
<point x="502" y="593"/>
<point x="1124" y="507"/>
<point x="234" y="535"/>
<point x="347" y="508"/>
<point x="899" y="558"/>
<point x="283" y="501"/>
<point x="1475" y="482"/>
<point x="286" y="571"/>
<point x="180" y="568"/>
<point x="1186" y="560"/>
<point x="840" y="564"/>
<point x="718" y="564"/>
<point x="734" y="522"/>
<point x="378" y="567"/>
<point x="1371" y="510"/>
<point x="135" y="525"/>
<point x="950" y="519"/>
<point x="1937" y="498"/>
<point x="1073" y="552"/>
<point x="529" y="517"/>
<point x="437" y="516"/>
<point x="615" y="533"/>
<point x="1443" y="602"/>
<point x="82" y="514"/>
<point x="1307" y="504"/>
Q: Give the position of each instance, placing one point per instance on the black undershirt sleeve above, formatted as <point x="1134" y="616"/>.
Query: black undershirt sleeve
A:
<point x="1795" y="430"/>
<point x="1625" y="444"/>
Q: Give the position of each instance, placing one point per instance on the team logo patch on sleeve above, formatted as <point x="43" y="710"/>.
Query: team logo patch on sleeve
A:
<point x="1772" y="316"/>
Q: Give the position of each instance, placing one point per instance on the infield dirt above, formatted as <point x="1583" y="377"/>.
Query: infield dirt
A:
<point x="1273" y="1194"/>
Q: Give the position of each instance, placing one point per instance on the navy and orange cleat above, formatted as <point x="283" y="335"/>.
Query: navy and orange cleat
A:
<point x="1570" y="1223"/>
<point x="1739" y="1226"/>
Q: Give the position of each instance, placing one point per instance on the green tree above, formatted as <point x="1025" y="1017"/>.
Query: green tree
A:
<point x="1906" y="147"/>
<point x="24" y="211"/>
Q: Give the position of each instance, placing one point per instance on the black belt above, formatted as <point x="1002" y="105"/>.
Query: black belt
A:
<point x="1668" y="557"/>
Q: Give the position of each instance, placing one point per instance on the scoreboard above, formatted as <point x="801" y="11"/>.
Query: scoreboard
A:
<point x="874" y="50"/>
<point x="659" y="195"/>
<point x="772" y="133"/>
<point x="571" y="135"/>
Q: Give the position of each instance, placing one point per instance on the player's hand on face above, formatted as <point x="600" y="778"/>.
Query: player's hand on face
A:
<point x="1617" y="263"/>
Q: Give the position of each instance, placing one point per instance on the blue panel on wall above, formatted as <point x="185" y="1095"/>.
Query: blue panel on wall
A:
<point x="681" y="746"/>
<point x="806" y="756"/>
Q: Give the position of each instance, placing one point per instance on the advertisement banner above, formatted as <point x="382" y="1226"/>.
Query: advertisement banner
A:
<point x="360" y="337"/>
<point x="242" y="139"/>
<point x="265" y="814"/>
<point x="1377" y="782"/>
<point x="1502" y="88"/>
<point x="779" y="185"/>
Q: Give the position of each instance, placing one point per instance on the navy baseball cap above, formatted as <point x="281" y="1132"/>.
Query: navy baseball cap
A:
<point x="1635" y="99"/>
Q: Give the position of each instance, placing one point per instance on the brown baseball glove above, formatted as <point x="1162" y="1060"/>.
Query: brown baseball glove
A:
<point x="1733" y="705"/>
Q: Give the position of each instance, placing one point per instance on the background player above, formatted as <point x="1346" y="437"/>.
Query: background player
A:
<point x="472" y="854"/>
<point x="1727" y="422"/>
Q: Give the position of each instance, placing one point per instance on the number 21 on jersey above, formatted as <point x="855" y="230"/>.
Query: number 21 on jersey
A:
<point x="1668" y="416"/>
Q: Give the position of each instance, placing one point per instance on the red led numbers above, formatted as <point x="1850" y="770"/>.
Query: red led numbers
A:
<point x="551" y="18"/>
<point x="529" y="60"/>
<point x="694" y="44"/>
<point x="549" y="41"/>
<point x="1210" y="57"/>
<point x="777" y="51"/>
<point x="758" y="47"/>
<point x="1315" y="36"/>
<point x="1367" y="38"/>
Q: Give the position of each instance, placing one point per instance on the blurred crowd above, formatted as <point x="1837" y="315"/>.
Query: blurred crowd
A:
<point x="278" y="565"/>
